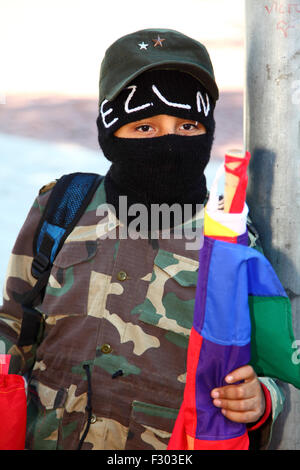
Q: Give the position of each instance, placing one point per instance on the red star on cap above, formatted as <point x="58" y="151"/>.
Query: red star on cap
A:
<point x="158" y="41"/>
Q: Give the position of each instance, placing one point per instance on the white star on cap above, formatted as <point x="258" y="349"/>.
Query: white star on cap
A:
<point x="143" y="46"/>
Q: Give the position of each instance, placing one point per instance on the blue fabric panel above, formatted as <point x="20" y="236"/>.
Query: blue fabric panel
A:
<point x="55" y="232"/>
<point x="262" y="280"/>
<point x="235" y="272"/>
<point x="227" y="319"/>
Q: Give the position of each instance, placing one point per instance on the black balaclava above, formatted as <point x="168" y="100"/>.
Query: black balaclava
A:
<point x="167" y="169"/>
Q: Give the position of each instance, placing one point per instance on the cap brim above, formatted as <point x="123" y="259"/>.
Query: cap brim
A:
<point x="198" y="72"/>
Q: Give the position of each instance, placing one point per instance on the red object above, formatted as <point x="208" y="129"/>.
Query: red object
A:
<point x="268" y="409"/>
<point x="178" y="440"/>
<point x="182" y="437"/>
<point x="13" y="408"/>
<point x="4" y="363"/>
<point x="236" y="443"/>
<point x="239" y="198"/>
<point x="224" y="239"/>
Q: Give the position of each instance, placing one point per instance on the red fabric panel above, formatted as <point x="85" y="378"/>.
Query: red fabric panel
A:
<point x="237" y="443"/>
<point x="186" y="422"/>
<point x="178" y="439"/>
<point x="239" y="198"/>
<point x="224" y="239"/>
<point x="190" y="415"/>
<point x="12" y="412"/>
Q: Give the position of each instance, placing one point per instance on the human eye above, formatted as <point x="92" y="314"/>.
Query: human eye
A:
<point x="191" y="128"/>
<point x="144" y="128"/>
<point x="188" y="126"/>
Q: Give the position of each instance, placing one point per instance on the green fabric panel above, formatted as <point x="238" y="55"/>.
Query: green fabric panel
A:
<point x="272" y="339"/>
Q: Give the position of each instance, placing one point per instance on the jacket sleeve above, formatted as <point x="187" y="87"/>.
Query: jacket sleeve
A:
<point x="260" y="435"/>
<point x="19" y="280"/>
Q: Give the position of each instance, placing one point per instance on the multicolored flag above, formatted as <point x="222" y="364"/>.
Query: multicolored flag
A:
<point x="242" y="315"/>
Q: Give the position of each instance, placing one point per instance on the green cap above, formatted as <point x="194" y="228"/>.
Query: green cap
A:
<point x="148" y="49"/>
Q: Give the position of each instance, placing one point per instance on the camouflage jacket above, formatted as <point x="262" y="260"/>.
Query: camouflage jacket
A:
<point x="117" y="318"/>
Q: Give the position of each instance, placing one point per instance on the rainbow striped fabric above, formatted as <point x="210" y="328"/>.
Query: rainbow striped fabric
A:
<point x="242" y="315"/>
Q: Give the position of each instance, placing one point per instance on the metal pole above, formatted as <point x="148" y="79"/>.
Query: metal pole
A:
<point x="272" y="135"/>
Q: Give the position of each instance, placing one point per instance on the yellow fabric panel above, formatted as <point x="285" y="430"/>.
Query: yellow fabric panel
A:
<point x="214" y="228"/>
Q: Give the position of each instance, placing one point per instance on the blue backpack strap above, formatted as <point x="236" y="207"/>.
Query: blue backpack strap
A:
<point x="67" y="202"/>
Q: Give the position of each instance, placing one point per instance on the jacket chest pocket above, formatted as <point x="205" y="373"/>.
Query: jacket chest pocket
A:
<point x="150" y="426"/>
<point x="170" y="298"/>
<point x="68" y="286"/>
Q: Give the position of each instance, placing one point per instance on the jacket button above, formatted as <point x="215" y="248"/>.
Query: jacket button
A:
<point x="106" y="348"/>
<point x="93" y="419"/>
<point x="122" y="276"/>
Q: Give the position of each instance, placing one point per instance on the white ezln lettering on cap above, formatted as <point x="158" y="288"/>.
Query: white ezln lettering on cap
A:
<point x="200" y="102"/>
<point x="105" y="113"/>
<point x="164" y="100"/>
<point x="138" y="108"/>
<point x="199" y="99"/>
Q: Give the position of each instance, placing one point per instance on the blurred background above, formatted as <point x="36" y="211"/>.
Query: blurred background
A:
<point x="50" y="55"/>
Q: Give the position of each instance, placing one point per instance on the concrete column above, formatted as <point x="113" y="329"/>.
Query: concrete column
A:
<point x="272" y="135"/>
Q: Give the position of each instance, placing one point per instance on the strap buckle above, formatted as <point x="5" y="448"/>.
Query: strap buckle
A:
<point x="39" y="265"/>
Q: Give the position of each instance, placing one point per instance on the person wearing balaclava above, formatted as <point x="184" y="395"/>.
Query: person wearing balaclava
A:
<point x="167" y="169"/>
<point x="108" y="371"/>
